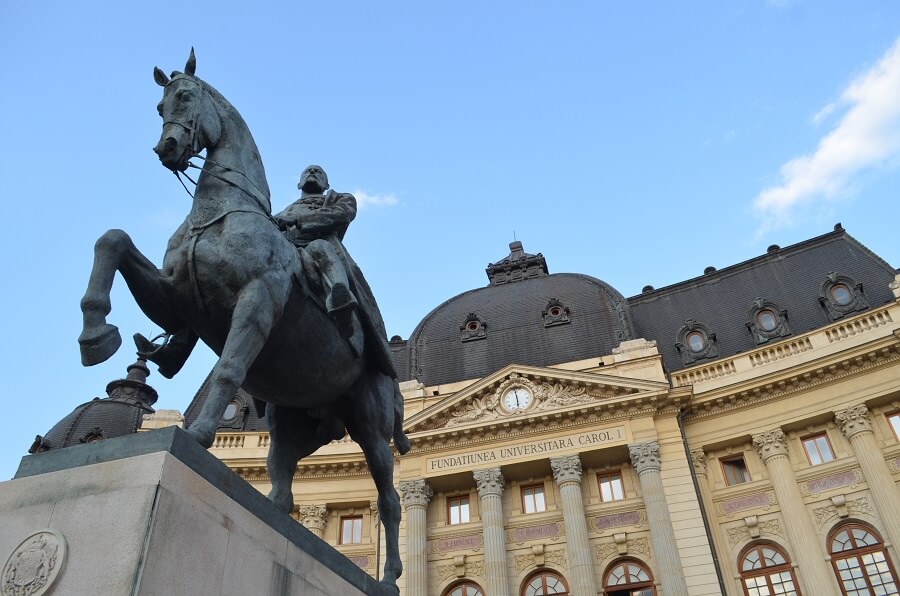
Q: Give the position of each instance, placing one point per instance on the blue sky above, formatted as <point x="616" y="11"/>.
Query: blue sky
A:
<point x="635" y="142"/>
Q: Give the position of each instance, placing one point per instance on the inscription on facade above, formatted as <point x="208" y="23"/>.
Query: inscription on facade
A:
<point x="626" y="518"/>
<point x="444" y="545"/>
<point x="534" y="532"/>
<point x="819" y="485"/>
<point x="748" y="502"/>
<point x="361" y="561"/>
<point x="550" y="447"/>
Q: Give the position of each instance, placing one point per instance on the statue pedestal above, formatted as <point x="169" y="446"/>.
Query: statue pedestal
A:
<point x="152" y="514"/>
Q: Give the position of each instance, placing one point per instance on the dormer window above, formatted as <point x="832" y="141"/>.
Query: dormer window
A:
<point x="695" y="341"/>
<point x="767" y="321"/>
<point x="555" y="313"/>
<point x="840" y="296"/>
<point x="473" y="328"/>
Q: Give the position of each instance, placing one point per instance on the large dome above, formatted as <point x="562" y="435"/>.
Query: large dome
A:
<point x="524" y="316"/>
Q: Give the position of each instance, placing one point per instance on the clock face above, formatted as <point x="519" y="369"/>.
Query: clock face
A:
<point x="517" y="398"/>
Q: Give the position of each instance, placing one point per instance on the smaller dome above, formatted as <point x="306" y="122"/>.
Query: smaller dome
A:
<point x="114" y="416"/>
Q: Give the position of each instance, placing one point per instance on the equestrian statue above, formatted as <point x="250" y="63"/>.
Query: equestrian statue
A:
<point x="277" y="298"/>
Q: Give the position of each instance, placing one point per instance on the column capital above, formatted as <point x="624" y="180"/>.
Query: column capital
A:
<point x="416" y="493"/>
<point x="373" y="506"/>
<point x="698" y="460"/>
<point x="770" y="443"/>
<point x="566" y="469"/>
<point x="854" y="420"/>
<point x="313" y="517"/>
<point x="489" y="482"/>
<point x="645" y="457"/>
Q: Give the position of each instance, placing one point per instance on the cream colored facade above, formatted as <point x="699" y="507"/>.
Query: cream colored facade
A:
<point x="669" y="438"/>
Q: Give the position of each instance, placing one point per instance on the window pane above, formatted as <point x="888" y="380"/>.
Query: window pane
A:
<point x="611" y="488"/>
<point x="539" y="500"/>
<point x="895" y="424"/>
<point x="735" y="471"/>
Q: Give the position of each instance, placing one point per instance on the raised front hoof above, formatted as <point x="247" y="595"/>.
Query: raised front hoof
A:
<point x="99" y="344"/>
<point x="392" y="586"/>
<point x="202" y="435"/>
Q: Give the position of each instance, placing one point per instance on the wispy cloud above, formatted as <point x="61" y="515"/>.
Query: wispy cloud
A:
<point x="866" y="137"/>
<point x="365" y="199"/>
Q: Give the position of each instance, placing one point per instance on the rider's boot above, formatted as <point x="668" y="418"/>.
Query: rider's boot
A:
<point x="341" y="303"/>
<point x="171" y="356"/>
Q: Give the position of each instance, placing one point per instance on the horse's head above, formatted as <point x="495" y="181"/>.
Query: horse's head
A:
<point x="190" y="120"/>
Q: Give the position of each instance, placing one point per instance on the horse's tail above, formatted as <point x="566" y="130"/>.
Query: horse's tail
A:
<point x="401" y="441"/>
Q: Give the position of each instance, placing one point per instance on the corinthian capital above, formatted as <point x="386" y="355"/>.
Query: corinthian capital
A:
<point x="645" y="457"/>
<point x="489" y="482"/>
<point x="566" y="469"/>
<point x="854" y="420"/>
<point x="770" y="443"/>
<point x="313" y="517"/>
<point x="416" y="493"/>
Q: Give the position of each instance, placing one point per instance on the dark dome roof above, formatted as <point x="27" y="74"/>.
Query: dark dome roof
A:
<point x="119" y="414"/>
<point x="525" y="316"/>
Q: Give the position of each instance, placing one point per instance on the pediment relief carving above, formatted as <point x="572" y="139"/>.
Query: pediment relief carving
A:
<point x="486" y="404"/>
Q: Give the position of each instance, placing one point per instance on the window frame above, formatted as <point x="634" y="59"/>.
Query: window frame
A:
<point x="350" y="518"/>
<point x="858" y="553"/>
<point x="466" y="585"/>
<point x="724" y="461"/>
<point x="610" y="476"/>
<point x="649" y="584"/>
<point x="814" y="438"/>
<point x="525" y="487"/>
<point x="895" y="428"/>
<point x="543" y="574"/>
<point x="458" y="499"/>
<point x="764" y="571"/>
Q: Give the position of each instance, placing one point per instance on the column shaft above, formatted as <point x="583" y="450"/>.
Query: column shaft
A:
<point x="490" y="490"/>
<point x="416" y="495"/>
<point x="645" y="459"/>
<point x="567" y="473"/>
<point x="815" y="574"/>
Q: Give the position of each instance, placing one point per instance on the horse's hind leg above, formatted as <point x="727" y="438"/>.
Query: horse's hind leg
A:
<point x="114" y="251"/>
<point x="371" y="425"/>
<point x="292" y="437"/>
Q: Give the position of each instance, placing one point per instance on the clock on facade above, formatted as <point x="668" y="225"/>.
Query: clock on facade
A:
<point x="517" y="398"/>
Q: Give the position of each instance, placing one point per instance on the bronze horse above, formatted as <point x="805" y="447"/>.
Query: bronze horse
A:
<point x="230" y="277"/>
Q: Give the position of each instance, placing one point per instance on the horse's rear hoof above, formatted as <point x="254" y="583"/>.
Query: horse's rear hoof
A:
<point x="204" y="438"/>
<point x="98" y="346"/>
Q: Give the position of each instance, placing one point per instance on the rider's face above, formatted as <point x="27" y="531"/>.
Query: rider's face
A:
<point x="313" y="179"/>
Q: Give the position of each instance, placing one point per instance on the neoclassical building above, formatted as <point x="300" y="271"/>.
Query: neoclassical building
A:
<point x="735" y="433"/>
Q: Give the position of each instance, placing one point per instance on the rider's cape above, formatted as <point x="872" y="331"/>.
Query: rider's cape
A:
<point x="329" y="221"/>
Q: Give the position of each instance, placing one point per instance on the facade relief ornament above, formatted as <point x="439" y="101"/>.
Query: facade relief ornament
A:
<point x="489" y="482"/>
<point x="645" y="457"/>
<point x="698" y="460"/>
<point x="313" y="516"/>
<point x="34" y="565"/>
<point x="770" y="443"/>
<point x="415" y="493"/>
<point x="854" y="420"/>
<point x="631" y="546"/>
<point x="566" y="469"/>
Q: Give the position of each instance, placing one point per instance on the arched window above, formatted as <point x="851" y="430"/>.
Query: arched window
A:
<point x="545" y="582"/>
<point x="629" y="578"/>
<point x="765" y="570"/>
<point x="465" y="588"/>
<point x="860" y="561"/>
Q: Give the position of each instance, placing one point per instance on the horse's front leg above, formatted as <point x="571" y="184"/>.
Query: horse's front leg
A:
<point x="256" y="311"/>
<point x="114" y="251"/>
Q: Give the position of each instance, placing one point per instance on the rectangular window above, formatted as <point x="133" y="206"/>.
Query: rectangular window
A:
<point x="611" y="487"/>
<point x="818" y="449"/>
<point x="735" y="471"/>
<point x="894" y="419"/>
<point x="457" y="510"/>
<point x="533" y="498"/>
<point x="351" y="530"/>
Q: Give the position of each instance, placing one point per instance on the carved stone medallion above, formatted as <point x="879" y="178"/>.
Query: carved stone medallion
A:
<point x="34" y="565"/>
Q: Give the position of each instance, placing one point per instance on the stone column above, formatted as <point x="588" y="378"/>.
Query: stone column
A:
<point x="856" y="424"/>
<point x="645" y="459"/>
<point x="416" y="495"/>
<point x="313" y="518"/>
<point x="814" y="572"/>
<point x="567" y="473"/>
<point x="490" y="489"/>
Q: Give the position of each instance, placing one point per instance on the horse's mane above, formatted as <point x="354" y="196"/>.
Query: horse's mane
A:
<point x="230" y="111"/>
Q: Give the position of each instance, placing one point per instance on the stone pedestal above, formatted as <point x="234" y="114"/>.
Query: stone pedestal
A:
<point x="154" y="513"/>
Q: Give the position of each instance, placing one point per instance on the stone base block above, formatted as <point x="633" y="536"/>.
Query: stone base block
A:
<point x="155" y="514"/>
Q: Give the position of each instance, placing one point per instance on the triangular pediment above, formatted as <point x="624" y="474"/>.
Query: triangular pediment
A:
<point x="547" y="390"/>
